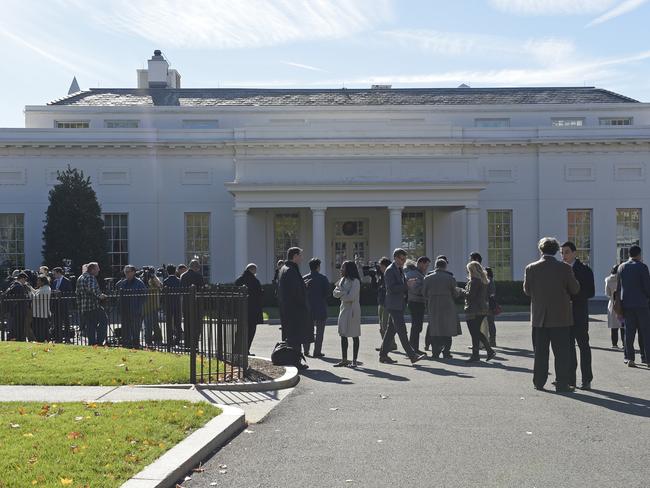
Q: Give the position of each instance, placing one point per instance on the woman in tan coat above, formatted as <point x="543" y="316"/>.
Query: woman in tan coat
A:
<point x="347" y="289"/>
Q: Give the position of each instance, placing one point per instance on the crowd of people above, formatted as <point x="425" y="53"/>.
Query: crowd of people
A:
<point x="45" y="306"/>
<point x="559" y="291"/>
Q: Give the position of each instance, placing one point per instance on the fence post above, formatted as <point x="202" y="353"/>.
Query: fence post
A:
<point x="192" y="335"/>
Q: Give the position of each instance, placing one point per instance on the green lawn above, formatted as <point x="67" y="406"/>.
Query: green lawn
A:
<point x="30" y="363"/>
<point x="371" y="310"/>
<point x="90" y="444"/>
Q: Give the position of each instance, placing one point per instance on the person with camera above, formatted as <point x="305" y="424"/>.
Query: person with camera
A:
<point x="380" y="269"/>
<point x="172" y="305"/>
<point x="152" y="332"/>
<point x="131" y="293"/>
<point x="93" y="317"/>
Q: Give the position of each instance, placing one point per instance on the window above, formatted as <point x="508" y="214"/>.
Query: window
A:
<point x="72" y="124"/>
<point x="286" y="233"/>
<point x="615" y="121"/>
<point x="197" y="240"/>
<point x="200" y="124"/>
<point x="413" y="232"/>
<point x="579" y="232"/>
<point x="491" y="122"/>
<point x="568" y="122"/>
<point x="628" y="231"/>
<point x="117" y="233"/>
<point x="500" y="243"/>
<point x="12" y="242"/>
<point x="121" y="124"/>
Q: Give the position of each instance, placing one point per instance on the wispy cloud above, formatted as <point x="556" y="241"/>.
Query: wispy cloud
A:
<point x="303" y="66"/>
<point x="552" y="7"/>
<point x="48" y="54"/>
<point x="593" y="72"/>
<point x="544" y="50"/>
<point x="224" y="24"/>
<point x="623" y="8"/>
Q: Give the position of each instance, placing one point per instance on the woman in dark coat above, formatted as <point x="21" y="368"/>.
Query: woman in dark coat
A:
<point x="255" y="295"/>
<point x="476" y="308"/>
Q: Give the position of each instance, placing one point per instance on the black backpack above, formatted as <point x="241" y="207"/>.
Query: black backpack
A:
<point x="285" y="355"/>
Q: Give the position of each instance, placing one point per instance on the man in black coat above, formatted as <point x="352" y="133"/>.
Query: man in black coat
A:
<point x="292" y="293"/>
<point x="18" y="307"/>
<point x="580" y="329"/>
<point x="191" y="277"/>
<point x="62" y="290"/>
<point x="255" y="295"/>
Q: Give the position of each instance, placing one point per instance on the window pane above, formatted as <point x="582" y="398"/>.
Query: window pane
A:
<point x="579" y="232"/>
<point x="197" y="240"/>
<point x="628" y="231"/>
<point x="413" y="234"/>
<point x="500" y="243"/>
<point x="12" y="239"/>
<point x="286" y="233"/>
<point x="116" y="226"/>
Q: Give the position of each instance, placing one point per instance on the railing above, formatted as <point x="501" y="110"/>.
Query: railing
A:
<point x="209" y="325"/>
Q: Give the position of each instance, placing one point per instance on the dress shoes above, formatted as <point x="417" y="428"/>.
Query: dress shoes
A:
<point x="565" y="389"/>
<point x="417" y="358"/>
<point x="586" y="385"/>
<point x="386" y="360"/>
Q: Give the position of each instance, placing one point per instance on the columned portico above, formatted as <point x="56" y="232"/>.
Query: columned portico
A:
<point x="318" y="232"/>
<point x="472" y="219"/>
<point x="241" y="239"/>
<point x="395" y="227"/>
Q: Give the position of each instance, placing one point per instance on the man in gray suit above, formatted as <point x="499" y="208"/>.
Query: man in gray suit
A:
<point x="550" y="284"/>
<point x="396" y="290"/>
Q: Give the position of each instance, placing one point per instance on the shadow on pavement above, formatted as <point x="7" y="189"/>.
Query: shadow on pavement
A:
<point x="616" y="402"/>
<point x="325" y="376"/>
<point x="375" y="373"/>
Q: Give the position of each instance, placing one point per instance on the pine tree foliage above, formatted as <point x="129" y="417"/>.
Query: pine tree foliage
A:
<point x="74" y="228"/>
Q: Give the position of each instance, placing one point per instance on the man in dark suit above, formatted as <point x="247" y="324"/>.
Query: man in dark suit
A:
<point x="394" y="303"/>
<point x="61" y="290"/>
<point x="580" y="329"/>
<point x="318" y="289"/>
<point x="192" y="277"/>
<point x="297" y="326"/>
<point x="550" y="284"/>
<point x="634" y="290"/>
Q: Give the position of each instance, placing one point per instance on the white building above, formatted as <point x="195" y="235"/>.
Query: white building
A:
<point x="239" y="175"/>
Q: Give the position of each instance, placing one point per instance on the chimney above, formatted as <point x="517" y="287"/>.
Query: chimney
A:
<point x="158" y="74"/>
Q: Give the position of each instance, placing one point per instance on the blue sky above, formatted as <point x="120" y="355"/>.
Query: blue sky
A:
<point x="321" y="43"/>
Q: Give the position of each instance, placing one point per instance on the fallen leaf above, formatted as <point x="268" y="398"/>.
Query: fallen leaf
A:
<point x="384" y="397"/>
<point x="78" y="418"/>
<point x="200" y="469"/>
<point x="187" y="478"/>
<point x="223" y="466"/>
<point x="22" y="411"/>
<point x="121" y="365"/>
<point x="73" y="435"/>
<point x="199" y="413"/>
<point x="222" y="471"/>
<point x="334" y="409"/>
<point x="15" y="426"/>
<point x="66" y="481"/>
<point x="28" y="435"/>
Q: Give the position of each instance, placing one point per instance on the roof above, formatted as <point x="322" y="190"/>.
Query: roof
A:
<point x="213" y="97"/>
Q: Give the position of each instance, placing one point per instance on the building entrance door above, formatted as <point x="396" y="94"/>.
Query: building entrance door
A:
<point x="350" y="243"/>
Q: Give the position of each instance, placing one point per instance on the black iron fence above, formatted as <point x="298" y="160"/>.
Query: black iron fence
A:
<point x="209" y="324"/>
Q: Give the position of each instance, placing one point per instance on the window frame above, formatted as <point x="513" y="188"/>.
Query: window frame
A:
<point x="502" y="271"/>
<point x="413" y="251"/>
<point x="611" y="119"/>
<point x="555" y="122"/>
<point x="18" y="241"/>
<point x="58" y="123"/>
<point x="623" y="244"/>
<point x="584" y="254"/>
<point x="117" y="266"/>
<point x="282" y="244"/>
<point x="204" y="255"/>
<point x="107" y="122"/>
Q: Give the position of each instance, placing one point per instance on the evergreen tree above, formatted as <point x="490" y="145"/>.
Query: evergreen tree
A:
<point x="74" y="228"/>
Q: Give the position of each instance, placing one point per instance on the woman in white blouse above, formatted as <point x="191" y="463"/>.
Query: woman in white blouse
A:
<point x="613" y="321"/>
<point x="41" y="309"/>
<point x="347" y="289"/>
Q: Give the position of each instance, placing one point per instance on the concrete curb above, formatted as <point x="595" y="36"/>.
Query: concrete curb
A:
<point x="180" y="459"/>
<point x="289" y="379"/>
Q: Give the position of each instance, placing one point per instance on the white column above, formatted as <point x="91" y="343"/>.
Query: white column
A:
<point x="318" y="233"/>
<point x="241" y="240"/>
<point x="395" y="228"/>
<point x="472" y="219"/>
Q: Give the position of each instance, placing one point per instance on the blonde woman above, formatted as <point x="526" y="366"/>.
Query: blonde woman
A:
<point x="477" y="308"/>
<point x="347" y="289"/>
